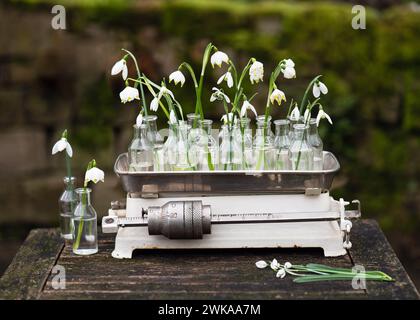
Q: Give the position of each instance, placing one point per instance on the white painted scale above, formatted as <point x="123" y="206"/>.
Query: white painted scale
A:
<point x="229" y="209"/>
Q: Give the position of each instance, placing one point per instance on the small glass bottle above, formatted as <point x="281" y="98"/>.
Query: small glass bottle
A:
<point x="156" y="141"/>
<point x="261" y="118"/>
<point x="85" y="235"/>
<point x="170" y="147"/>
<point x="264" y="151"/>
<point x="282" y="144"/>
<point x="230" y="149"/>
<point x="66" y="204"/>
<point x="301" y="154"/>
<point x="292" y="122"/>
<point x="183" y="155"/>
<point x="140" y="152"/>
<point x="208" y="152"/>
<point x="244" y="136"/>
<point x="317" y="145"/>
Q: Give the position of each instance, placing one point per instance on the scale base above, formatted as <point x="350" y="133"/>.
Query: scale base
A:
<point x="317" y="234"/>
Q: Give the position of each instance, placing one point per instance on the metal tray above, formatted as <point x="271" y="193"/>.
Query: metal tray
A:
<point x="197" y="183"/>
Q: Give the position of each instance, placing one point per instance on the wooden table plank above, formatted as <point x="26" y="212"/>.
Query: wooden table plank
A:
<point x="200" y="274"/>
<point x="27" y="274"/>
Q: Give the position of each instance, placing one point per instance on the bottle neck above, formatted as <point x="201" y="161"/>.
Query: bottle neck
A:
<point x="83" y="195"/>
<point x="206" y="125"/>
<point x="313" y="128"/>
<point x="300" y="131"/>
<point x="261" y="125"/>
<point x="69" y="182"/>
<point x="282" y="127"/>
<point x="193" y="120"/>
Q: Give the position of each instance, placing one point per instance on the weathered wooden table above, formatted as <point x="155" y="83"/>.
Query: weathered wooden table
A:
<point x="203" y="274"/>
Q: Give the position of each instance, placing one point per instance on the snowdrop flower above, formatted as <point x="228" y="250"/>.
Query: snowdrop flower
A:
<point x="227" y="118"/>
<point x="226" y="77"/>
<point x="261" y="264"/>
<point x="218" y="58"/>
<point x="306" y="115"/>
<point x="278" y="96"/>
<point x="172" y="117"/>
<point x="139" y="120"/>
<point x="295" y="114"/>
<point x="62" y="144"/>
<point x="287" y="265"/>
<point x="129" y="94"/>
<point x="218" y="95"/>
<point x="247" y="106"/>
<point x="281" y="273"/>
<point x="177" y="77"/>
<point x="288" y="70"/>
<point x="256" y="72"/>
<point x="322" y="115"/>
<point x="154" y="104"/>
<point x="319" y="88"/>
<point x="275" y="265"/>
<point x="120" y="66"/>
<point x="94" y="174"/>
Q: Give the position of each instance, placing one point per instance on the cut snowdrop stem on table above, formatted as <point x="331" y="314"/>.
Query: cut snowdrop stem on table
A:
<point x="95" y="175"/>
<point x="318" y="272"/>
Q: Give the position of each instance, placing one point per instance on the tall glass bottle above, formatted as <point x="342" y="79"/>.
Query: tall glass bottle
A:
<point x="156" y="141"/>
<point x="184" y="158"/>
<point x="282" y="144"/>
<point x="194" y="136"/>
<point x="264" y="151"/>
<point x="140" y="152"/>
<point x="301" y="154"/>
<point x="244" y="136"/>
<point x="230" y="149"/>
<point x="317" y="145"/>
<point x="208" y="151"/>
<point x="66" y="204"/>
<point x="85" y="235"/>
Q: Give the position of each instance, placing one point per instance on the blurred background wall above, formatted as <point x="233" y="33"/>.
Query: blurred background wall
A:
<point x="56" y="79"/>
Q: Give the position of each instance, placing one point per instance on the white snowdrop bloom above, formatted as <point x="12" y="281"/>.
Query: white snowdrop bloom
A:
<point x="281" y="273"/>
<point x="295" y="114"/>
<point x="172" y="117"/>
<point x="129" y="94"/>
<point x="274" y="264"/>
<point x="256" y="72"/>
<point x="164" y="90"/>
<point x="120" y="66"/>
<point x="277" y="96"/>
<point x="61" y="145"/>
<point x="306" y="116"/>
<point x="218" y="95"/>
<point x="177" y="77"/>
<point x="322" y="115"/>
<point x="247" y="106"/>
<point x="226" y="77"/>
<point x="289" y="73"/>
<point x="287" y="265"/>
<point x="227" y="118"/>
<point x="154" y="104"/>
<point x="218" y="58"/>
<point x="95" y="175"/>
<point x="319" y="88"/>
<point x="289" y="63"/>
<point x="139" y="120"/>
<point x="261" y="264"/>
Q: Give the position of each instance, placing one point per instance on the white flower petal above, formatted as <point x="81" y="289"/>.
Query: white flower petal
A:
<point x="295" y="114"/>
<point x="289" y="73"/>
<point x="154" y="104"/>
<point x="118" y="67"/>
<point x="278" y="96"/>
<point x="220" y="80"/>
<point x="139" y="120"/>
<point x="69" y="150"/>
<point x="256" y="72"/>
<point x="323" y="88"/>
<point x="261" y="264"/>
<point x="177" y="77"/>
<point x="289" y="63"/>
<point x="129" y="94"/>
<point x="125" y="72"/>
<point x="315" y="90"/>
<point x="218" y="58"/>
<point x="281" y="273"/>
<point x="172" y="117"/>
<point x="95" y="175"/>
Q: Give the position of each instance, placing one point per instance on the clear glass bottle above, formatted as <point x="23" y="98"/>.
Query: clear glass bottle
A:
<point x="292" y="122"/>
<point x="170" y="147"/>
<point x="261" y="118"/>
<point x="301" y="154"/>
<point x="244" y="136"/>
<point x="66" y="204"/>
<point x="184" y="159"/>
<point x="317" y="145"/>
<point x="263" y="146"/>
<point x="282" y="144"/>
<point x="156" y="140"/>
<point x="208" y="151"/>
<point x="194" y="136"/>
<point x="85" y="235"/>
<point x="230" y="149"/>
<point x="140" y="152"/>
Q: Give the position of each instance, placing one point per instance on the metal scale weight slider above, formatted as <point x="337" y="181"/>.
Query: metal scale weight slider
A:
<point x="186" y="210"/>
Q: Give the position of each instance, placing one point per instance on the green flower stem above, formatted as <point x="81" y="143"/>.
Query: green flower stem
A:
<point x="349" y="276"/>
<point x="305" y="96"/>
<point x="143" y="97"/>
<point x="76" y="243"/>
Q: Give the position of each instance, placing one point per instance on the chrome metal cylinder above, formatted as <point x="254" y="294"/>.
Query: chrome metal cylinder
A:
<point x="180" y="220"/>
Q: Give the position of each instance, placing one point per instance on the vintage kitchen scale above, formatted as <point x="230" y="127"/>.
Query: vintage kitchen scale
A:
<point x="229" y="209"/>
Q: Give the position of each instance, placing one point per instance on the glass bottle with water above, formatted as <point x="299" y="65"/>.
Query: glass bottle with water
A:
<point x="208" y="151"/>
<point x="66" y="204"/>
<point x="263" y="145"/>
<point x="282" y="144"/>
<point x="140" y="152"/>
<point x="301" y="154"/>
<point x="317" y="145"/>
<point x="85" y="236"/>
<point x="156" y="140"/>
